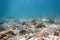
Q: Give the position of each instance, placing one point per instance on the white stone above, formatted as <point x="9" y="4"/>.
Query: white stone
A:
<point x="31" y="39"/>
<point x="22" y="39"/>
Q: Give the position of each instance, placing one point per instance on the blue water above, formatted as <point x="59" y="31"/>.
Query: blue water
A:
<point x="29" y="8"/>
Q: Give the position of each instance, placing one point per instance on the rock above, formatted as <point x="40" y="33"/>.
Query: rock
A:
<point x="7" y="35"/>
<point x="24" y="23"/>
<point x="10" y="33"/>
<point x="42" y="33"/>
<point x="56" y="33"/>
<point x="2" y="29"/>
<point x="40" y="38"/>
<point x="2" y="35"/>
<point x="33" y="21"/>
<point x="1" y="22"/>
<point x="51" y="20"/>
<point x="22" y="39"/>
<point x="5" y="38"/>
<point x="22" y="32"/>
<point x="39" y="25"/>
<point x="49" y="30"/>
<point x="35" y="38"/>
<point x="31" y="39"/>
<point x="30" y="36"/>
<point x="12" y="39"/>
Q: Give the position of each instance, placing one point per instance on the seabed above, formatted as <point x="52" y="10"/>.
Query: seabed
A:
<point x="35" y="29"/>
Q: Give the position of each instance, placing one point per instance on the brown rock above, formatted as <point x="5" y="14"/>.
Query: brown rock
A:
<point x="2" y="35"/>
<point x="40" y="38"/>
<point x="42" y="33"/>
<point x="5" y="38"/>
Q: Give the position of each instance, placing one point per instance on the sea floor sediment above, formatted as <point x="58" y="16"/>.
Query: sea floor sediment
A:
<point x="43" y="29"/>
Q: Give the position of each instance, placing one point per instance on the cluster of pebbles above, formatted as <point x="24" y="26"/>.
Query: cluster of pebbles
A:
<point x="27" y="30"/>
